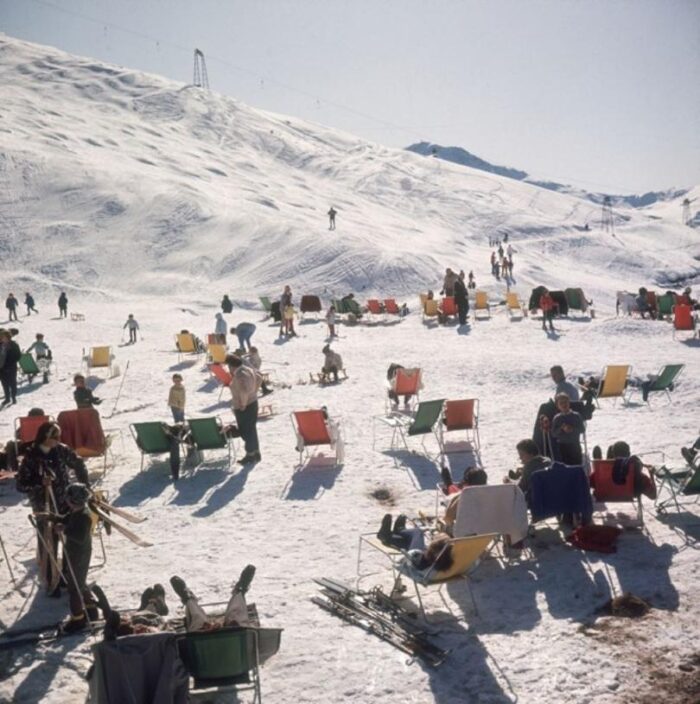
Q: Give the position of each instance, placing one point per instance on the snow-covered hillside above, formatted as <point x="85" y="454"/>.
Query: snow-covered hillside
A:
<point x="116" y="180"/>
<point x="136" y="194"/>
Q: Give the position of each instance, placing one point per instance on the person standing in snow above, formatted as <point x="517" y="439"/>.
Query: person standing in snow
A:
<point x="330" y="321"/>
<point x="285" y="301"/>
<point x="9" y="358"/>
<point x="244" y="399"/>
<point x="461" y="299"/>
<point x="63" y="305"/>
<point x="43" y="355"/>
<point x="11" y="304"/>
<point x="253" y="359"/>
<point x="548" y="307"/>
<point x="243" y="331"/>
<point x="472" y="282"/>
<point x="448" y="284"/>
<point x="226" y="305"/>
<point x="133" y="327"/>
<point x="331" y="218"/>
<point x="29" y="302"/>
<point x="83" y="395"/>
<point x="509" y="251"/>
<point x="176" y="399"/>
<point x="220" y="329"/>
<point x="567" y="428"/>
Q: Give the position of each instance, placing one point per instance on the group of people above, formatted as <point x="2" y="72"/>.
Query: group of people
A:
<point x="11" y="303"/>
<point x="502" y="262"/>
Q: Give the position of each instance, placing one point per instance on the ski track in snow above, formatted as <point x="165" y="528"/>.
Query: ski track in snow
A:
<point x="136" y="194"/>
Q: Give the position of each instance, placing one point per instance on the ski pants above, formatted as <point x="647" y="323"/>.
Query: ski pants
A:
<point x="247" y="421"/>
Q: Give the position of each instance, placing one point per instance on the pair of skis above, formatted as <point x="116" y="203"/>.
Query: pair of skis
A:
<point x="103" y="509"/>
<point x="379" y="614"/>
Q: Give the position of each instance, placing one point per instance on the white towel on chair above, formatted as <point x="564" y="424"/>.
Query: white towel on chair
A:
<point x="500" y="508"/>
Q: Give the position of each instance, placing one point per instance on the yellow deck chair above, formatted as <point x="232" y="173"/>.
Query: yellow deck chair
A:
<point x="100" y="358"/>
<point x="217" y="354"/>
<point x="481" y="304"/>
<point x="430" y="309"/>
<point x="465" y="554"/>
<point x="185" y="344"/>
<point x="513" y="306"/>
<point x="613" y="382"/>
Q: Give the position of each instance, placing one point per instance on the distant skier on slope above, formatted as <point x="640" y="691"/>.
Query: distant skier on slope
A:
<point x="29" y="302"/>
<point x="63" y="305"/>
<point x="331" y="218"/>
<point x="226" y="305"/>
<point x="11" y="304"/>
<point x="133" y="327"/>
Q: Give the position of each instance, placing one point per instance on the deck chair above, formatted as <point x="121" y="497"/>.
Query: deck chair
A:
<point x="422" y="297"/>
<point x="339" y="306"/>
<point x="683" y="319"/>
<point x="430" y="309"/>
<point x="422" y="423"/>
<point x="267" y="305"/>
<point x="448" y="307"/>
<point x="27" y="427"/>
<point x="99" y="358"/>
<point x="462" y="415"/>
<point x="28" y="367"/>
<point x="514" y="307"/>
<point x="313" y="429"/>
<point x="185" y="344"/>
<point x="664" y="381"/>
<point x="81" y="430"/>
<point x="613" y="383"/>
<point x="222" y="375"/>
<point x="391" y="307"/>
<point x="374" y="308"/>
<point x="481" y="304"/>
<point x="309" y="304"/>
<point x="606" y="491"/>
<point x="664" y="305"/>
<point x="151" y="439"/>
<point x="227" y="657"/>
<point x="496" y="508"/>
<point x="406" y="383"/>
<point x="217" y="353"/>
<point x="208" y="434"/>
<point x="575" y="299"/>
<point x="679" y="485"/>
<point x="466" y="552"/>
<point x="352" y="306"/>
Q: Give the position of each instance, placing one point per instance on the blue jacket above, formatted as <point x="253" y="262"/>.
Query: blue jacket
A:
<point x="560" y="489"/>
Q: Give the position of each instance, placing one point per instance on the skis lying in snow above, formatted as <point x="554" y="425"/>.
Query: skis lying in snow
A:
<point x="120" y="528"/>
<point x="126" y="515"/>
<point x="379" y="614"/>
<point x="43" y="634"/>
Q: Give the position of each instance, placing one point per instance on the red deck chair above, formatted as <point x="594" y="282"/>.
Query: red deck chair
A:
<point x="683" y="318"/>
<point x="462" y="415"/>
<point x="448" y="307"/>
<point x="312" y="428"/>
<point x="26" y="428"/>
<point x="81" y="429"/>
<point x="407" y="383"/>
<point x="391" y="306"/>
<point x="374" y="307"/>
<point x="606" y="491"/>
<point x="222" y="375"/>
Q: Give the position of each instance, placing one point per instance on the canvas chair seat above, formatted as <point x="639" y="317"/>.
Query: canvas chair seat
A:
<point x="310" y="304"/>
<point x="313" y="429"/>
<point x="461" y="415"/>
<point x="683" y="319"/>
<point x="151" y="439"/>
<point x="81" y="430"/>
<point x="374" y="307"/>
<point x="607" y="490"/>
<point x="682" y="486"/>
<point x="448" y="307"/>
<point x="514" y="306"/>
<point x="222" y="375"/>
<point x="495" y="508"/>
<point x="100" y="358"/>
<point x="613" y="382"/>
<point x="208" y="434"/>
<point x="430" y="308"/>
<point x="391" y="306"/>
<point x="217" y="353"/>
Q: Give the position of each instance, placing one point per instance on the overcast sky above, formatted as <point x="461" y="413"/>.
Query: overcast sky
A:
<point x="604" y="94"/>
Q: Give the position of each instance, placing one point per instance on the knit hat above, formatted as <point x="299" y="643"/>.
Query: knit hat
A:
<point x="77" y="493"/>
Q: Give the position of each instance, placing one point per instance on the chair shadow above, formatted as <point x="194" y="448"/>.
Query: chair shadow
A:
<point x="218" y="406"/>
<point x="209" y="385"/>
<point x="181" y="366"/>
<point x="692" y="342"/>
<point x="310" y="481"/>
<point x="310" y="321"/>
<point x="225" y="493"/>
<point x="459" y="456"/>
<point x="281" y="341"/>
<point x="422" y="470"/>
<point x="192" y="488"/>
<point x="145" y="485"/>
<point x="464" y="329"/>
<point x="685" y="524"/>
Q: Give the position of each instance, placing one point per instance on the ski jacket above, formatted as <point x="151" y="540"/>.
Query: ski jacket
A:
<point x="9" y="357"/>
<point x="547" y="303"/>
<point x="132" y="324"/>
<point x="11" y="303"/>
<point x="84" y="397"/>
<point x="29" y="301"/>
<point x="333" y="360"/>
<point x="226" y="304"/>
<point x="572" y="419"/>
<point x="221" y="327"/>
<point x="63" y="301"/>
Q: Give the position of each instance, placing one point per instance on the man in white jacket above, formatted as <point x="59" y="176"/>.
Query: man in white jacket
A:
<point x="244" y="398"/>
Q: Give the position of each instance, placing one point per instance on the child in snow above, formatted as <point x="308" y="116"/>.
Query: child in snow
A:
<point x="332" y="364"/>
<point x="133" y="327"/>
<point x="288" y="315"/>
<point x="43" y="355"/>
<point x="82" y="395"/>
<point x="330" y="320"/>
<point x="567" y="428"/>
<point x="29" y="302"/>
<point x="176" y="399"/>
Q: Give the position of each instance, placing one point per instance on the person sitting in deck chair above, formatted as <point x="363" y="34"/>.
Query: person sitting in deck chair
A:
<point x="391" y="375"/>
<point x="472" y="477"/>
<point x="413" y="541"/>
<point x="332" y="364"/>
<point x="625" y="462"/>
<point x="642" y="303"/>
<point x="532" y="461"/>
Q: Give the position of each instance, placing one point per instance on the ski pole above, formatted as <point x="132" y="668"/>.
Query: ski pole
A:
<point x="119" y="393"/>
<point x="7" y="559"/>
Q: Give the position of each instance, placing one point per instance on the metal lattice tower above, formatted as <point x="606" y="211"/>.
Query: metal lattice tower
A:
<point x="686" y="210"/>
<point x="201" y="79"/>
<point x="607" y="218"/>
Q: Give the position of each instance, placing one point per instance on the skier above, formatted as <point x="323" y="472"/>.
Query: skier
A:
<point x="285" y="301"/>
<point x="220" y="329"/>
<point x="11" y="304"/>
<point x="63" y="305"/>
<point x="9" y="358"/>
<point x="461" y="299"/>
<point x="29" y="302"/>
<point x="331" y="218"/>
<point x="472" y="282"/>
<point x="244" y="399"/>
<point x="330" y="321"/>
<point x="226" y="305"/>
<point x="548" y="307"/>
<point x="448" y="284"/>
<point x="133" y="327"/>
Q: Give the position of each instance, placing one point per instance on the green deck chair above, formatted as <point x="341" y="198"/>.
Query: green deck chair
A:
<point x="151" y="439"/>
<point x="266" y="304"/>
<point x="665" y="305"/>
<point x="28" y="366"/>
<point x="576" y="299"/>
<point x="340" y="306"/>
<point x="666" y="380"/>
<point x="207" y="434"/>
<point x="679" y="485"/>
<point x="228" y="657"/>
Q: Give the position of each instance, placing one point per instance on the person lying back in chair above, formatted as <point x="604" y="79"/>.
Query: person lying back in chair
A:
<point x="437" y="554"/>
<point x="472" y="477"/>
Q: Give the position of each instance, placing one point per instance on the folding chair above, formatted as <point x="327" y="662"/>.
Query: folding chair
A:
<point x="224" y="658"/>
<point x="466" y="553"/>
<point x="461" y="415"/>
<point x="422" y="297"/>
<point x="391" y="307"/>
<point x="424" y="422"/>
<point x="26" y="429"/>
<point x="430" y="309"/>
<point x="448" y="307"/>
<point x="151" y="438"/>
<point x="679" y="485"/>
<point x="222" y="375"/>
<point x="406" y="383"/>
<point x="575" y="299"/>
<point x="185" y="344"/>
<point x="312" y="429"/>
<point x="217" y="353"/>
<point x="209" y="434"/>
<point x="81" y="430"/>
<point x="606" y="490"/>
<point x="374" y="308"/>
<point x="683" y="319"/>
<point x="664" y="305"/>
<point x="481" y="304"/>
<point x="28" y="367"/>
<point x="613" y="383"/>
<point x="352" y="306"/>
<point x="267" y="305"/>
<point x="664" y="381"/>
<point x="309" y="304"/>
<point x="514" y="307"/>
<point x="99" y="358"/>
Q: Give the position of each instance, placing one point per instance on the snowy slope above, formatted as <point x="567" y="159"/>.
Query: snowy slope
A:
<point x="164" y="239"/>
